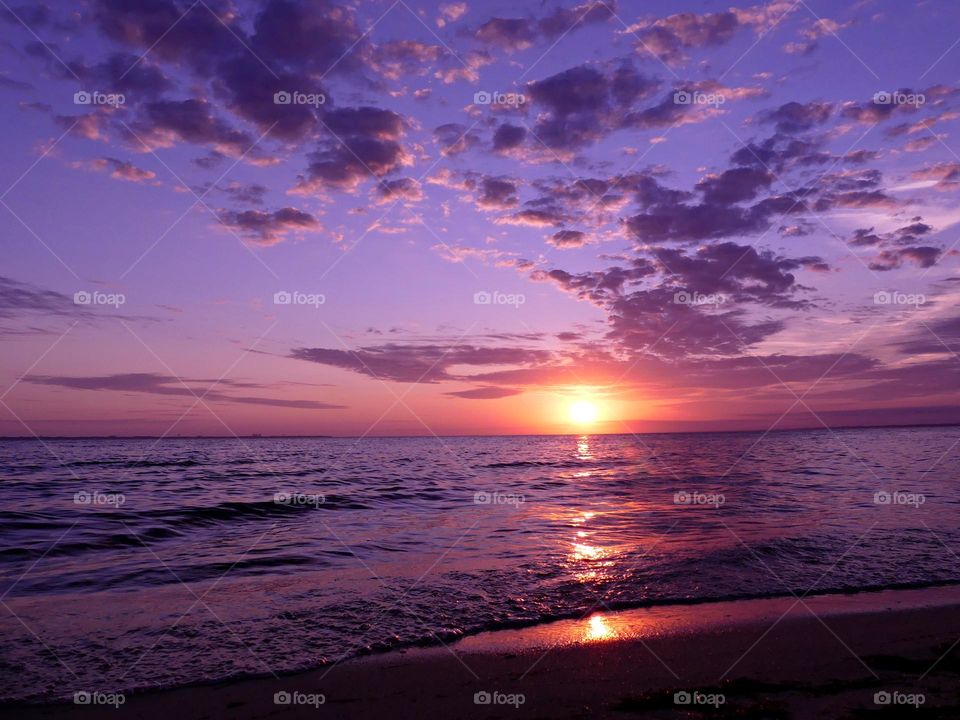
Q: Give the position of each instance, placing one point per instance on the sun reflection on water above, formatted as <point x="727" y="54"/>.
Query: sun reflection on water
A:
<point x="583" y="448"/>
<point x="597" y="628"/>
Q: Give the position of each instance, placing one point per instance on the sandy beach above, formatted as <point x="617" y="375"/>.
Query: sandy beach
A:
<point x="877" y="654"/>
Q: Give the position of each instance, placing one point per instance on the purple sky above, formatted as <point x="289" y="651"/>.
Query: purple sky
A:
<point x="311" y="217"/>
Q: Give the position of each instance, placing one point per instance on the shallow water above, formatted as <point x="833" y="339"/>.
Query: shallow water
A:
<point x="136" y="563"/>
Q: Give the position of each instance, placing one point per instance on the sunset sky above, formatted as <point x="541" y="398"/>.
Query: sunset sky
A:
<point x="487" y="217"/>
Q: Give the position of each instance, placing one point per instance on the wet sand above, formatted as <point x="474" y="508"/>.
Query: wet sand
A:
<point x="831" y="656"/>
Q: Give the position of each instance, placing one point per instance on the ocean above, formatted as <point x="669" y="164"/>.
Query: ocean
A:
<point x="136" y="563"/>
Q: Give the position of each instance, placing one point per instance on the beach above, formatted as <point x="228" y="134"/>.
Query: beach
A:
<point x="855" y="655"/>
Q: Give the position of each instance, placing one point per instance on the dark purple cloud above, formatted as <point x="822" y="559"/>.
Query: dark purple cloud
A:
<point x="268" y="228"/>
<point x="417" y="363"/>
<point x="485" y="393"/>
<point x="507" y="137"/>
<point x="154" y="384"/>
<point x="363" y="144"/>
<point x="584" y="103"/>
<point x="568" y="239"/>
<point x="794" y="117"/>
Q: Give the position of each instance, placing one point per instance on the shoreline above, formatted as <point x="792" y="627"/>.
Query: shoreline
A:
<point x="779" y="657"/>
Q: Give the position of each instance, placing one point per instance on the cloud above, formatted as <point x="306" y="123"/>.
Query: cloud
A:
<point x="406" y="189"/>
<point x="734" y="185"/>
<point x="899" y="246"/>
<point x="417" y="363"/>
<point x="311" y="36"/>
<point x="497" y="193"/>
<point x="669" y="37"/>
<point x="509" y="34"/>
<point x="515" y="34"/>
<point x="586" y="102"/>
<point x="451" y="12"/>
<point x="485" y="393"/>
<point x="454" y="138"/>
<point x="507" y="137"/>
<point x="564" y="20"/>
<point x="268" y="228"/>
<point x="163" y="122"/>
<point x="945" y="174"/>
<point x="648" y="306"/>
<point x="17" y="298"/>
<point x="364" y="145"/>
<point x="119" y="169"/>
<point x="131" y="75"/>
<point x="883" y="106"/>
<point x="398" y="58"/>
<point x="923" y="256"/>
<point x="153" y="384"/>
<point x="813" y="32"/>
<point x="794" y="117"/>
<point x="568" y="239"/>
<point x="468" y="69"/>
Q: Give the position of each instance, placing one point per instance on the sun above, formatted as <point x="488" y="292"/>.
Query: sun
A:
<point x="583" y="412"/>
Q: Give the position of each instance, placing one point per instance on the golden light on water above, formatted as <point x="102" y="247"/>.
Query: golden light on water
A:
<point x="582" y="551"/>
<point x="598" y="629"/>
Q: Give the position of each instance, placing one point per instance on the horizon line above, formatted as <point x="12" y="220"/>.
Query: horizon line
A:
<point x="258" y="436"/>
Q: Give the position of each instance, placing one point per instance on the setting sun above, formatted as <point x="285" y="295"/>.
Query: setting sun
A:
<point x="583" y="412"/>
